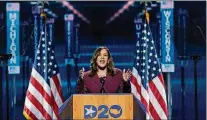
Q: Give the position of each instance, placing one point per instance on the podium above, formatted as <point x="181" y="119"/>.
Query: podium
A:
<point x="102" y="106"/>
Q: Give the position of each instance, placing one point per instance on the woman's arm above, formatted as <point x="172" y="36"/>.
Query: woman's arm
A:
<point x="80" y="87"/>
<point x="125" y="87"/>
<point x="126" y="81"/>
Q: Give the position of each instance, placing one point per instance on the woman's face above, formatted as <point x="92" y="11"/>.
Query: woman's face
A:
<point x="102" y="59"/>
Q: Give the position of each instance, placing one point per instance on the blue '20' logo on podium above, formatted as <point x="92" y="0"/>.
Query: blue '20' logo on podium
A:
<point x="90" y="111"/>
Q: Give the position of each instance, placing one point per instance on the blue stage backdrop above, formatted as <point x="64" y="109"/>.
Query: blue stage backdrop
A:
<point x="122" y="47"/>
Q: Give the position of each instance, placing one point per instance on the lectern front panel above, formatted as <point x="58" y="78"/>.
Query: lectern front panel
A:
<point x="103" y="106"/>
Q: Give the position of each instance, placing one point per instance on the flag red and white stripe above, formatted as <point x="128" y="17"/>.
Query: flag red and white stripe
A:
<point x="43" y="101"/>
<point x="44" y="95"/>
<point x="147" y="83"/>
<point x="153" y="98"/>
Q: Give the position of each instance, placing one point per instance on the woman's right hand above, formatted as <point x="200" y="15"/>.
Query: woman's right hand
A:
<point x="81" y="73"/>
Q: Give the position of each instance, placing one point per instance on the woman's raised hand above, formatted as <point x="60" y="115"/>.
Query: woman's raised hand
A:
<point x="81" y="73"/>
<point x="127" y="74"/>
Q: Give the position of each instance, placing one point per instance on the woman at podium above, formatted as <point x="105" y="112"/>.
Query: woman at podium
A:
<point x="102" y="76"/>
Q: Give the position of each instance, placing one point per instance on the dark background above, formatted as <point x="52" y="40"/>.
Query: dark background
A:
<point x="119" y="36"/>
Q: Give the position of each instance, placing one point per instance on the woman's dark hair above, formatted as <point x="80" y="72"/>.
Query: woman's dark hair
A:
<point x="110" y="65"/>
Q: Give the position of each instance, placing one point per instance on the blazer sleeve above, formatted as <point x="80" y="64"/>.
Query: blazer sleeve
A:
<point x="125" y="87"/>
<point x="80" y="87"/>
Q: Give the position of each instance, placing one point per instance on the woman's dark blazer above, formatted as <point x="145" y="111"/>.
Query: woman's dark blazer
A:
<point x="112" y="84"/>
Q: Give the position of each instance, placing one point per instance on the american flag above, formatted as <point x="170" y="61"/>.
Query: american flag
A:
<point x="12" y="6"/>
<point x="147" y="81"/>
<point x="44" y="95"/>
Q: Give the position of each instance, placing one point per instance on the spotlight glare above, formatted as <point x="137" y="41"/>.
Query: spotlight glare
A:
<point x="153" y="5"/>
<point x="149" y="8"/>
<point x="45" y="9"/>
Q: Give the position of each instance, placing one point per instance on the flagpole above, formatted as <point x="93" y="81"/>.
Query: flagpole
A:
<point x="146" y="55"/>
<point x="5" y="58"/>
<point x="46" y="55"/>
<point x="150" y="55"/>
<point x="195" y="58"/>
<point x="1" y="91"/>
<point x="44" y="28"/>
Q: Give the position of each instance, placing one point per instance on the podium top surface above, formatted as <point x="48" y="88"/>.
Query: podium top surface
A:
<point x="116" y="94"/>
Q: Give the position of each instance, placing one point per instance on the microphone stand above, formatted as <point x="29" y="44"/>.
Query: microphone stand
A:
<point x="5" y="58"/>
<point x="102" y="84"/>
<point x="195" y="58"/>
<point x="183" y="60"/>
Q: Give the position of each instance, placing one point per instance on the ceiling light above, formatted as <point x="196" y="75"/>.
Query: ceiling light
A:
<point x="33" y="3"/>
<point x="149" y="8"/>
<point x="40" y="6"/>
<point x="49" y="12"/>
<point x="76" y="12"/>
<point x="120" y="11"/>
<point x="54" y="15"/>
<point x="45" y="9"/>
<point x="153" y="5"/>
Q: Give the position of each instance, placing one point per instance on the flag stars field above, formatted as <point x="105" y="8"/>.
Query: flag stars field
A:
<point x="148" y="77"/>
<point x="45" y="81"/>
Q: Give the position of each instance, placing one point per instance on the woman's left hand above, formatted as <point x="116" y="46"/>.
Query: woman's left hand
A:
<point x="126" y="75"/>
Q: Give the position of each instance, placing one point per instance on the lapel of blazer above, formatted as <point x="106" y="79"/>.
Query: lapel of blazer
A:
<point x="108" y="81"/>
<point x="96" y="80"/>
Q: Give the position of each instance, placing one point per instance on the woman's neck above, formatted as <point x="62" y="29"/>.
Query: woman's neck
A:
<point x="102" y="73"/>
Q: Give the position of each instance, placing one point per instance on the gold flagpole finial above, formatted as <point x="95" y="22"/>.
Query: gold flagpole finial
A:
<point x="147" y="16"/>
<point x="145" y="9"/>
<point x="42" y="12"/>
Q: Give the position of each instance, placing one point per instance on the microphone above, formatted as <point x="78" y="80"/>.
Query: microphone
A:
<point x="201" y="32"/>
<point x="102" y="81"/>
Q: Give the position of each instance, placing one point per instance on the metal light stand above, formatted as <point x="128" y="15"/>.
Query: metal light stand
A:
<point x="5" y="58"/>
<point x="195" y="58"/>
<point x="76" y="55"/>
<point x="183" y="60"/>
<point x="182" y="41"/>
